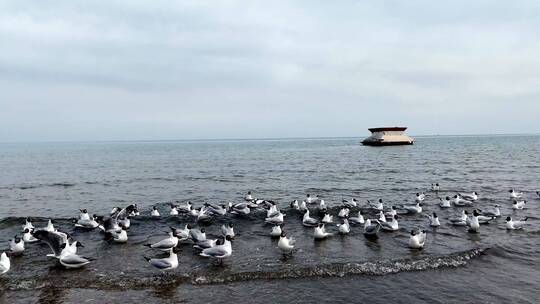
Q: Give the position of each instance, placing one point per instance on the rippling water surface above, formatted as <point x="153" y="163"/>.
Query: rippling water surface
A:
<point x="54" y="180"/>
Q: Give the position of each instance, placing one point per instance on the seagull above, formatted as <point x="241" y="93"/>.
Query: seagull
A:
<point x="5" y="263"/>
<point x="327" y="218"/>
<point x="359" y="219"/>
<point x="390" y="226"/>
<point x="240" y="208"/>
<point x="168" y="263"/>
<point x="515" y="194"/>
<point x="110" y="224"/>
<point x="417" y="239"/>
<point x="382" y="217"/>
<point x="181" y="234"/>
<point x="420" y="197"/>
<point x="248" y="196"/>
<point x="435" y="187"/>
<point x="445" y="203"/>
<point x="311" y="200"/>
<point x="228" y="230"/>
<point x="371" y="230"/>
<point x="276" y="219"/>
<point x="71" y="260"/>
<point x="344" y="228"/>
<point x="309" y="221"/>
<point x="185" y="208"/>
<point x="55" y="240"/>
<point x="518" y="205"/>
<point x="515" y="225"/>
<point x="272" y="211"/>
<point x="302" y="206"/>
<point x="322" y="205"/>
<point x="413" y="209"/>
<point x="349" y="204"/>
<point x="87" y="223"/>
<point x="377" y="206"/>
<point x="165" y="244"/>
<point x="174" y="210"/>
<point x="460" y="221"/>
<point x="217" y="210"/>
<point x="71" y="248"/>
<point x="343" y="212"/>
<point x="473" y="223"/>
<point x="294" y="205"/>
<point x="276" y="231"/>
<point x="155" y="212"/>
<point x="285" y="244"/>
<point x="118" y="237"/>
<point x="84" y="215"/>
<point x="208" y="243"/>
<point x="219" y="251"/>
<point x="434" y="220"/>
<point x="470" y="197"/>
<point x="27" y="225"/>
<point x="204" y="214"/>
<point x="391" y="213"/>
<point x="49" y="227"/>
<point x="320" y="233"/>
<point x="28" y="237"/>
<point x="16" y="246"/>
<point x="459" y="202"/>
<point x="495" y="213"/>
<point x="197" y="235"/>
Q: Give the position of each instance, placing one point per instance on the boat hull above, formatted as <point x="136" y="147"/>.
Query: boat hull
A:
<point x="386" y="143"/>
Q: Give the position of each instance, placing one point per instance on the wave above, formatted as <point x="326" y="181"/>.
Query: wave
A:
<point x="126" y="281"/>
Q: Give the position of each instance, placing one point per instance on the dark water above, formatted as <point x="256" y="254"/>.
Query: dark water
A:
<point x="55" y="180"/>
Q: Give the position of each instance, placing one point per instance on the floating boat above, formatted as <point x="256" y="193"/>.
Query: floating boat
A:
<point x="388" y="136"/>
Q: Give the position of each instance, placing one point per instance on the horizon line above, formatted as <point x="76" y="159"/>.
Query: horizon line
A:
<point x="259" y="139"/>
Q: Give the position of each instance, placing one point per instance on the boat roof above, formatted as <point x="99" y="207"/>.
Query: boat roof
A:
<point x="372" y="130"/>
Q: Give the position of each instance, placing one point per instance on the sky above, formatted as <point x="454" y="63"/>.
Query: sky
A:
<point x="153" y="70"/>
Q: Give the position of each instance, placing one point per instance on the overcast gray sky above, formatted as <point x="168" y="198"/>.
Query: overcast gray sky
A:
<point x="105" y="70"/>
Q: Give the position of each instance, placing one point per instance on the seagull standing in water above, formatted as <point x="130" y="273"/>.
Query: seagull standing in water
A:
<point x="327" y="218"/>
<point x="71" y="260"/>
<point x="219" y="251"/>
<point x="168" y="263"/>
<point x="285" y="244"/>
<point x="165" y="244"/>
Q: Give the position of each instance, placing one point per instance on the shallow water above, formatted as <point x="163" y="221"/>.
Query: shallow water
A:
<point x="54" y="180"/>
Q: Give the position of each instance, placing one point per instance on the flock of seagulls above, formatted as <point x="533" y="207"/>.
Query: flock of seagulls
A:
<point x="115" y="226"/>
